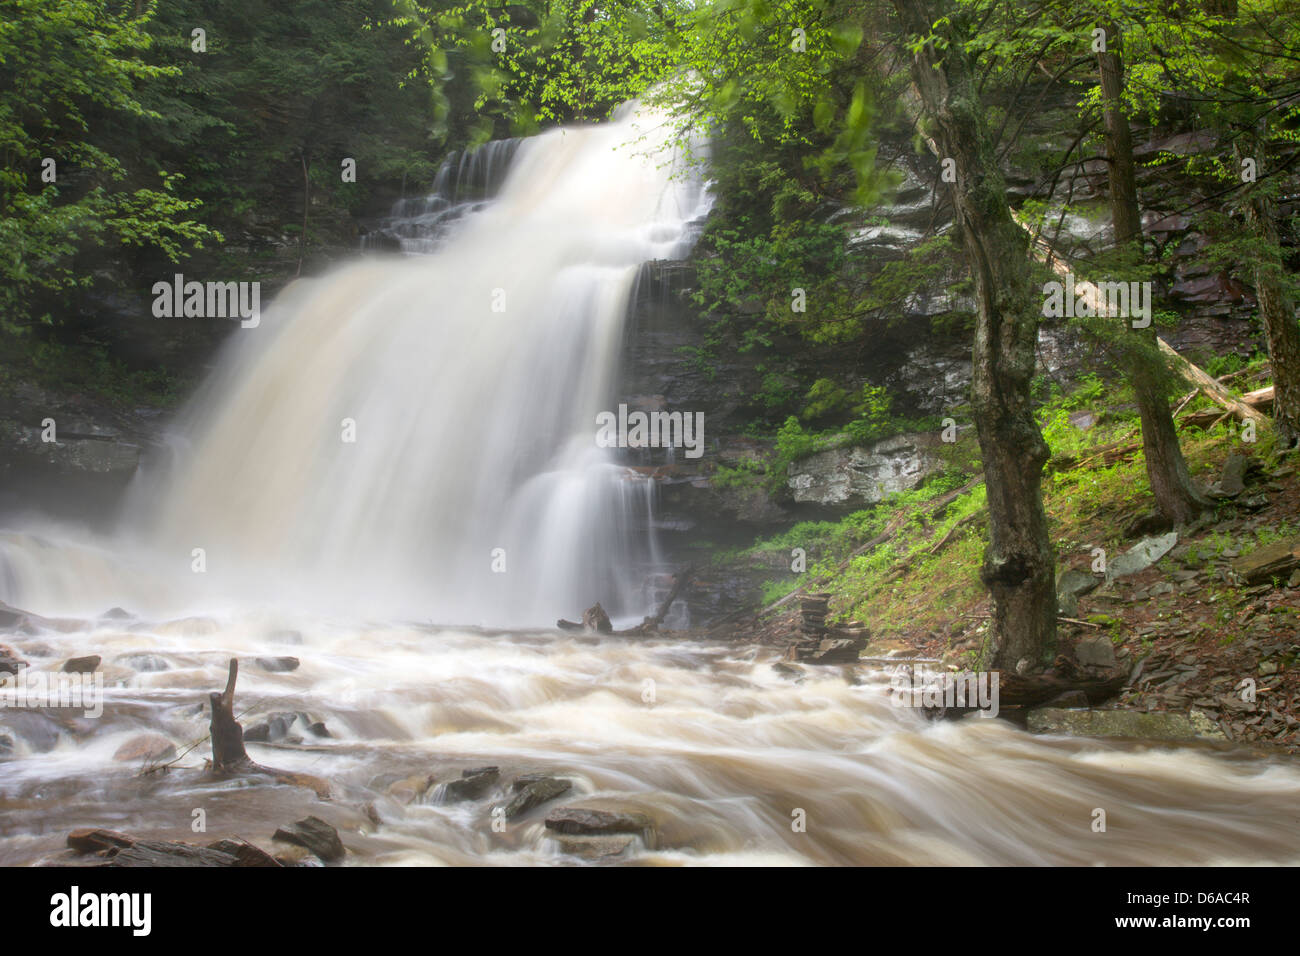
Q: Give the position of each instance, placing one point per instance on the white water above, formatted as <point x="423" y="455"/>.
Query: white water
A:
<point x="475" y="431"/>
<point x="473" y="376"/>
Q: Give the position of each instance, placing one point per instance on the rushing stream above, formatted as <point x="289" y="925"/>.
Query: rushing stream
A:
<point x="708" y="740"/>
<point x="471" y="375"/>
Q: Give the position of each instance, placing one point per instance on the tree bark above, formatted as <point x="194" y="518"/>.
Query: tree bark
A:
<point x="1276" y="311"/>
<point x="1171" y="483"/>
<point x="1019" y="563"/>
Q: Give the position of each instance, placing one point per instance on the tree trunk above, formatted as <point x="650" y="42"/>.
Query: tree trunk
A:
<point x="1171" y="484"/>
<point x="1276" y="311"/>
<point x="1019" y="563"/>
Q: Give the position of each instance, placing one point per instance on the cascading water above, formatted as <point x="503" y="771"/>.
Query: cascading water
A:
<point x="418" y="436"/>
<point x="474" y="431"/>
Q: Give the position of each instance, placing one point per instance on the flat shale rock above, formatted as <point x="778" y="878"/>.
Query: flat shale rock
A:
<point x="1276" y="560"/>
<point x="581" y="820"/>
<point x="1163" y="725"/>
<point x="534" y="792"/>
<point x="277" y="665"/>
<point x="314" y="834"/>
<point x="163" y="853"/>
<point x="593" y="847"/>
<point x="472" y="785"/>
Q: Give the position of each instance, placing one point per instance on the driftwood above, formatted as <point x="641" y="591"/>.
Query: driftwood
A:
<point x="1017" y="691"/>
<point x="1204" y="383"/>
<point x="230" y="759"/>
<point x="679" y="582"/>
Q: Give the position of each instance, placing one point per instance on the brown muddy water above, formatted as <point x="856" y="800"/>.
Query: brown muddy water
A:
<point x="709" y="741"/>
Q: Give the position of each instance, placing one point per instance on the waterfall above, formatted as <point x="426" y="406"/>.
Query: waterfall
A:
<point x="416" y="434"/>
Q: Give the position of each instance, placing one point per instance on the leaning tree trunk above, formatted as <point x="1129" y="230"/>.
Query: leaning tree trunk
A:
<point x="1019" y="564"/>
<point x="1276" y="311"/>
<point x="1171" y="483"/>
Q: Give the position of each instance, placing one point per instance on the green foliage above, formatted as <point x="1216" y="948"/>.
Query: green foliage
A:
<point x="61" y="66"/>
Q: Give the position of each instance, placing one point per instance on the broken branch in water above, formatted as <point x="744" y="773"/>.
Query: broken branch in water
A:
<point x="595" y="618"/>
<point x="230" y="759"/>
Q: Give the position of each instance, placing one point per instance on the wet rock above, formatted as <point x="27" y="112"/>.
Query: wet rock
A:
<point x="277" y="665"/>
<point x="408" y="789"/>
<point x="37" y="730"/>
<point x="154" y="853"/>
<point x="788" y="671"/>
<point x="1069" y="700"/>
<point x="144" y="663"/>
<point x="581" y="820"/>
<point x="1124" y="723"/>
<point x="6" y="746"/>
<point x="314" y="834"/>
<point x="245" y="854"/>
<point x="124" y="850"/>
<point x="116" y="614"/>
<point x="472" y="785"/>
<point x="279" y="726"/>
<point x="535" y="792"/>
<point x="274" y="728"/>
<point x="10" y="662"/>
<point x="1141" y="556"/>
<point x="82" y="665"/>
<point x="146" y="748"/>
<point x="98" y="841"/>
<point x="841" y="650"/>
<point x="593" y="847"/>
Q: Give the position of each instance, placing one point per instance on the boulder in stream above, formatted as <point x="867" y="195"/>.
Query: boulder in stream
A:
<point x="582" y="820"/>
<point x="532" y="790"/>
<point x="277" y="665"/>
<point x="82" y="665"/>
<point x="314" y="834"/>
<point x="146" y="748"/>
<point x="472" y="785"/>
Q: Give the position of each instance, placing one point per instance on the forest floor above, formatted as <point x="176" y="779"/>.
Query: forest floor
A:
<point x="1190" y="629"/>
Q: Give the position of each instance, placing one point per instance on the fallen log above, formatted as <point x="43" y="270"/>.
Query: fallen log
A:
<point x="1209" y="386"/>
<point x="594" y="619"/>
